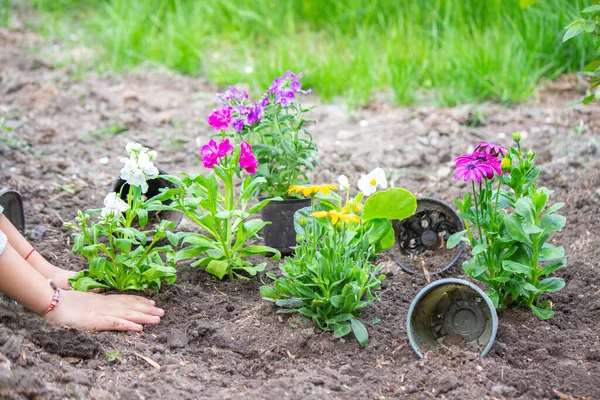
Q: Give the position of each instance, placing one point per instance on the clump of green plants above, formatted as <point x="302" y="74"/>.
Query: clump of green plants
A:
<point x="122" y="252"/>
<point x="332" y="277"/>
<point x="509" y="221"/>
<point x="211" y="202"/>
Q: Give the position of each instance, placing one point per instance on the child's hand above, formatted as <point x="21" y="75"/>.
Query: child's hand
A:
<point x="61" y="278"/>
<point x="96" y="312"/>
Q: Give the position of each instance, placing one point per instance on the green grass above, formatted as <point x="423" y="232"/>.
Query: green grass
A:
<point x="435" y="51"/>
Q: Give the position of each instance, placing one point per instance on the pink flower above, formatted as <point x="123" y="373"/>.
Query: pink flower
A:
<point x="473" y="171"/>
<point x="247" y="159"/>
<point x="491" y="148"/>
<point x="474" y="166"/>
<point x="211" y="152"/>
<point x="220" y="119"/>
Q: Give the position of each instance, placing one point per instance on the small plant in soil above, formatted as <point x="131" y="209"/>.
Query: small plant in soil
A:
<point x="275" y="127"/>
<point x="120" y="255"/>
<point x="210" y="201"/>
<point x="332" y="275"/>
<point x="508" y="227"/>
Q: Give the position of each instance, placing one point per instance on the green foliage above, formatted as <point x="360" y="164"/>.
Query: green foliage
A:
<point x="589" y="25"/>
<point x="114" y="357"/>
<point x="210" y="202"/>
<point x="511" y="252"/>
<point x="446" y="51"/>
<point x="120" y="255"/>
<point x="284" y="148"/>
<point x="331" y="277"/>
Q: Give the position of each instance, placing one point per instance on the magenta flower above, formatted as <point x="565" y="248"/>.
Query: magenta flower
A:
<point x="491" y="148"/>
<point x="485" y="164"/>
<point x="211" y="152"/>
<point x="221" y="118"/>
<point x="247" y="159"/>
<point x="473" y="171"/>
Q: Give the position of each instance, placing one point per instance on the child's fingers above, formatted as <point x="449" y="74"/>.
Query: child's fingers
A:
<point x="112" y="323"/>
<point x="135" y="316"/>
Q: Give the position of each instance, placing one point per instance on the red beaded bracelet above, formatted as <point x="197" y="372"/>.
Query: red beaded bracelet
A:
<point x="30" y="253"/>
<point x="55" y="298"/>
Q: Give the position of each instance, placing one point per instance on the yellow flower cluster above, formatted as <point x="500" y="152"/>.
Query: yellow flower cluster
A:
<point x="308" y="191"/>
<point x="336" y="216"/>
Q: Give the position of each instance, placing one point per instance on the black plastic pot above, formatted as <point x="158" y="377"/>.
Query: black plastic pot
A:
<point x="154" y="186"/>
<point x="428" y="229"/>
<point x="12" y="203"/>
<point x="280" y="234"/>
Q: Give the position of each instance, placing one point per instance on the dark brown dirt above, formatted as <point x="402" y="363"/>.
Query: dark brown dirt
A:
<point x="219" y="339"/>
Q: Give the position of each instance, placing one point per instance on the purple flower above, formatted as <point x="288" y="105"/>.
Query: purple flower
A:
<point x="486" y="164"/>
<point x="247" y="159"/>
<point x="264" y="101"/>
<point x="472" y="171"/>
<point x="238" y="124"/>
<point x="212" y="152"/>
<point x="232" y="94"/>
<point x="221" y="118"/>
<point x="243" y="110"/>
<point x="491" y="148"/>
<point x="286" y="87"/>
<point x="255" y="114"/>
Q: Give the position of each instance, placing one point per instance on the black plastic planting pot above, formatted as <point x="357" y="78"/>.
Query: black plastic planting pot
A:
<point x="448" y="309"/>
<point x="154" y="186"/>
<point x="280" y="234"/>
<point x="428" y="229"/>
<point x="12" y="203"/>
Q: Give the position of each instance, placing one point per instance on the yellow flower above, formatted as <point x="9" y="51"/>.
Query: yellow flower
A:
<point x="336" y="216"/>
<point x="308" y="191"/>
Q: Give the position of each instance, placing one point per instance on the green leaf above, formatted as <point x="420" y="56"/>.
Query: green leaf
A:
<point x="142" y="216"/>
<point x="554" y="265"/>
<point x="494" y="297"/>
<point x="555" y="207"/>
<point x="591" y="9"/>
<point x="574" y="29"/>
<point x="515" y="229"/>
<point x="85" y="284"/>
<point x="337" y="301"/>
<point x="341" y="330"/>
<point x="515" y="267"/>
<point x="360" y="332"/>
<point x="529" y="287"/>
<point x="455" y="239"/>
<point x="377" y="229"/>
<point x="269" y="293"/>
<point x="173" y="238"/>
<point x="388" y="241"/>
<point x="262" y="250"/>
<point x="123" y="245"/>
<point x="306" y="312"/>
<point x="289" y="303"/>
<point x="551" y="223"/>
<point x="527" y="3"/>
<point x="525" y="209"/>
<point x="549" y="252"/>
<point x="552" y="284"/>
<point x="591" y="66"/>
<point x="542" y="313"/>
<point x="393" y="204"/>
<point x="588" y="99"/>
<point x="589" y="26"/>
<point x="217" y="268"/>
<point x="480" y="248"/>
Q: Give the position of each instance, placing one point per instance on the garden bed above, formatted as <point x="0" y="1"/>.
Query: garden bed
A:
<point x="218" y="338"/>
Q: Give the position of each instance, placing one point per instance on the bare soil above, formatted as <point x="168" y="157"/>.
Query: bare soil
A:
<point x="219" y="339"/>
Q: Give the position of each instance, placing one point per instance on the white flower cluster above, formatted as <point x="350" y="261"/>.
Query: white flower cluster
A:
<point x="113" y="205"/>
<point x="367" y="183"/>
<point x="139" y="166"/>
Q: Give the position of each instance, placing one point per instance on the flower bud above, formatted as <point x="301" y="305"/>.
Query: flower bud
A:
<point x="303" y="221"/>
<point x="505" y="164"/>
<point x="517" y="137"/>
<point x="530" y="154"/>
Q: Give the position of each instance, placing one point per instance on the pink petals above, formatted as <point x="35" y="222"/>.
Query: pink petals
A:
<point x="474" y="167"/>
<point x="221" y="118"/>
<point x="211" y="152"/>
<point x="247" y="158"/>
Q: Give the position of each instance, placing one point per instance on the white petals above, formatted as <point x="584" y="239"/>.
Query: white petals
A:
<point x="368" y="183"/>
<point x="139" y="166"/>
<point x="343" y="181"/>
<point x="113" y="205"/>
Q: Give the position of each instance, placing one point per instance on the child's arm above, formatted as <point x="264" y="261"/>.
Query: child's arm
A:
<point x="35" y="259"/>
<point x="90" y="311"/>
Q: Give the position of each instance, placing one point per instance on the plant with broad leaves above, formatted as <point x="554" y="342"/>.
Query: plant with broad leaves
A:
<point x="508" y="229"/>
<point x="589" y="25"/>
<point x="119" y="254"/>
<point x="331" y="276"/>
<point x="275" y="126"/>
<point x="210" y="201"/>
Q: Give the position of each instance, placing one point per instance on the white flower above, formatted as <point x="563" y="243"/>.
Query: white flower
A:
<point x="139" y="167"/>
<point x="368" y="183"/>
<point x="113" y="205"/>
<point x="344" y="184"/>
